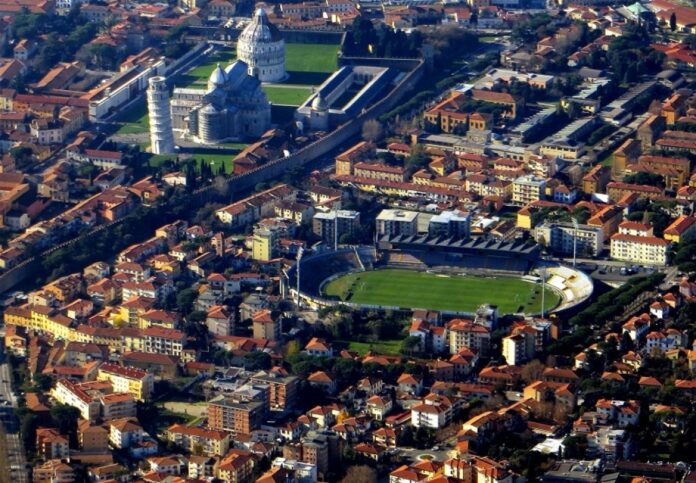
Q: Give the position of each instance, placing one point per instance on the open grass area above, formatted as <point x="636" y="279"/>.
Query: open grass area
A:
<point x="135" y="120"/>
<point x="384" y="347"/>
<point x="311" y="57"/>
<point x="310" y="64"/>
<point x="210" y="157"/>
<point x="198" y="76"/>
<point x="306" y="64"/>
<point x="287" y="95"/>
<point x="411" y="289"/>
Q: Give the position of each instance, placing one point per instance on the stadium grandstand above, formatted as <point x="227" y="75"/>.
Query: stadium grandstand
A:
<point x="422" y="251"/>
<point x="574" y="285"/>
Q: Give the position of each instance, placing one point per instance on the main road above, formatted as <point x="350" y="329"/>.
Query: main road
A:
<point x="15" y="449"/>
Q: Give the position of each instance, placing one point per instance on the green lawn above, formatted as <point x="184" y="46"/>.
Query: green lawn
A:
<point x="411" y="289"/>
<point x="212" y="157"/>
<point x="290" y="96"/>
<point x="135" y="120"/>
<point x="198" y="76"/>
<point x="384" y="347"/>
<point x="310" y="64"/>
<point x="307" y="64"/>
<point x="311" y="57"/>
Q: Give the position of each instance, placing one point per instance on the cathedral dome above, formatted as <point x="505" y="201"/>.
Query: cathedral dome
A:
<point x="217" y="77"/>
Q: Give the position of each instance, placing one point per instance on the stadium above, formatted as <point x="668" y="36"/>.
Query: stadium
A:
<point x="430" y="273"/>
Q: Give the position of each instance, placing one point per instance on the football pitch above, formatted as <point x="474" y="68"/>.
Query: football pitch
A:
<point x="412" y="289"/>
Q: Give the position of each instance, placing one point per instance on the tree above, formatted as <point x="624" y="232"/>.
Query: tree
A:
<point x="292" y="348"/>
<point x="105" y="55"/>
<point x="372" y="130"/>
<point x="185" y="299"/>
<point x="582" y="214"/>
<point x="417" y="158"/>
<point x="257" y="360"/>
<point x="43" y="382"/>
<point x="646" y="178"/>
<point x="360" y="474"/>
<point x="690" y="41"/>
<point x="65" y="419"/>
<point x="410" y="345"/>
<point x="28" y="422"/>
<point x="532" y="371"/>
<point x="575" y="446"/>
<point x="21" y="154"/>
<point x="673" y="22"/>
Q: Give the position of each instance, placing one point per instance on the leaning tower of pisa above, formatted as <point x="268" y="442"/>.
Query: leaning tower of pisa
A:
<point x="161" y="134"/>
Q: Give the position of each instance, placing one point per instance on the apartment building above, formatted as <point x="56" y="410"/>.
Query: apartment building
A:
<point x="397" y="222"/>
<point x="136" y="382"/>
<point x="51" y="444"/>
<point x="159" y="340"/>
<point x="680" y="230"/>
<point x="117" y="405"/>
<point x="211" y="442"/>
<point x="282" y="390"/>
<point x="617" y="190"/>
<point x="528" y="188"/>
<point x="563" y="237"/>
<point x="266" y="326"/>
<point x="234" y="415"/>
<point x="335" y="224"/>
<point x="71" y="394"/>
<point x="637" y="244"/>
<point x="379" y="171"/>
<point x="451" y="224"/>
<point x="264" y="244"/>
<point x="465" y="334"/>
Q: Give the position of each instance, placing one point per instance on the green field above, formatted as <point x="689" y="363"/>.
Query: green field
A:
<point x="198" y="76"/>
<point x="212" y="158"/>
<point x="289" y="96"/>
<point x="306" y="64"/>
<point x="411" y="289"/>
<point x="135" y="120"/>
<point x="384" y="347"/>
<point x="311" y="57"/>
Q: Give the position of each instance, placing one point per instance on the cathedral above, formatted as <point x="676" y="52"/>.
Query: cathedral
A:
<point x="233" y="107"/>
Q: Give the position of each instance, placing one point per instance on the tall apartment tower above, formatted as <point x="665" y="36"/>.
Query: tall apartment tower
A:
<point x="161" y="134"/>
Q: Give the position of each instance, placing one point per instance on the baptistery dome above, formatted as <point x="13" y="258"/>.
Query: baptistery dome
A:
<point x="262" y="48"/>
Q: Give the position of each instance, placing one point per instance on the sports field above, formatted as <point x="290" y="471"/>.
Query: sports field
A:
<point x="411" y="289"/>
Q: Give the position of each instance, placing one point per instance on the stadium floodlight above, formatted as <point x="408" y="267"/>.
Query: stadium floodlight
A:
<point x="335" y="229"/>
<point x="575" y="240"/>
<point x="297" y="292"/>
<point x="543" y="290"/>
